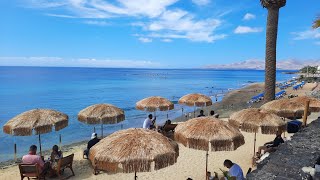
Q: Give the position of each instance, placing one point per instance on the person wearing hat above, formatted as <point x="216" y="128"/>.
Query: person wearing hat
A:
<point x="94" y="140"/>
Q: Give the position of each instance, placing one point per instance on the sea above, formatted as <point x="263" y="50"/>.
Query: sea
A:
<point x="69" y="90"/>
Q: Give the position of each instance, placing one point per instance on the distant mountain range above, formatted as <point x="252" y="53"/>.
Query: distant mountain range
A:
<point x="255" y="64"/>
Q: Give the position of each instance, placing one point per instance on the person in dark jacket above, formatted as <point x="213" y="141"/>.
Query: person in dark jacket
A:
<point x="94" y="140"/>
<point x="271" y="146"/>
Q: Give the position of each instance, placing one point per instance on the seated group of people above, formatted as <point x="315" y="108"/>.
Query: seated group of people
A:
<point x="212" y="113"/>
<point x="45" y="167"/>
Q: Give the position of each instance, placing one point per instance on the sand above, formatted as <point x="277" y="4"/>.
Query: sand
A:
<point x="191" y="163"/>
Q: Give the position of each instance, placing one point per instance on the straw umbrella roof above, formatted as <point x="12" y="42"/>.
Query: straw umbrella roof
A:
<point x="197" y="133"/>
<point x="134" y="150"/>
<point x="285" y="108"/>
<point x="250" y="120"/>
<point x="195" y="99"/>
<point x="40" y="120"/>
<point x="154" y="103"/>
<point x="314" y="105"/>
<point x="101" y="113"/>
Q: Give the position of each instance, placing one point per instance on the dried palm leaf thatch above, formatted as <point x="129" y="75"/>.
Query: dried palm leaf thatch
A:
<point x="273" y="3"/>
<point x="250" y="120"/>
<point x="285" y="108"/>
<point x="134" y="150"/>
<point x="101" y="114"/>
<point x="154" y="103"/>
<point x="197" y="133"/>
<point x="314" y="105"/>
<point x="39" y="120"/>
<point x="195" y="99"/>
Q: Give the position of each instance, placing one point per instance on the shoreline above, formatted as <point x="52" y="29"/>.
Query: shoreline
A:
<point x="232" y="101"/>
<point x="219" y="107"/>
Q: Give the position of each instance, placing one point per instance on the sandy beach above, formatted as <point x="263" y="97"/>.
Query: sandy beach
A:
<point x="191" y="163"/>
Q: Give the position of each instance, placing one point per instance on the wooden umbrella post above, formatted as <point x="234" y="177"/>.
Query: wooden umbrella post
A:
<point x="254" y="147"/>
<point x="40" y="145"/>
<point x="305" y="115"/>
<point x="207" y="154"/>
<point x="135" y="175"/>
<point x="182" y="113"/>
<point x="94" y="129"/>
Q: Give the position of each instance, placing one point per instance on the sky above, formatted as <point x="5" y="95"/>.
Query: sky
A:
<point x="150" y="33"/>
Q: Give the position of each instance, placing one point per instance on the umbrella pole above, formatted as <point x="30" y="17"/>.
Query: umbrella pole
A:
<point x="94" y="129"/>
<point x="135" y="175"/>
<point x="60" y="139"/>
<point x="305" y="113"/>
<point x="194" y="111"/>
<point x="40" y="145"/>
<point x="254" y="147"/>
<point x="15" y="152"/>
<point x="101" y="130"/>
<point x="207" y="164"/>
<point x="182" y="113"/>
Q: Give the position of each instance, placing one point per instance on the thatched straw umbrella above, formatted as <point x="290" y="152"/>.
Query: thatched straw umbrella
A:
<point x="204" y="132"/>
<point x="195" y="100"/>
<point x="133" y="150"/>
<point x="40" y="121"/>
<point x="253" y="119"/>
<point x="287" y="108"/>
<point x="314" y="105"/>
<point x="101" y="114"/>
<point x="155" y="103"/>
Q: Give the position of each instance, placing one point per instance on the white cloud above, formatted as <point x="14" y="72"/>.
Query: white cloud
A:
<point x="98" y="23"/>
<point x="308" y="34"/>
<point x="248" y="16"/>
<point x="201" y="2"/>
<point x="246" y="29"/>
<point x="166" y="40"/>
<point x="157" y="15"/>
<point x="81" y="62"/>
<point x="145" y="40"/>
<point x="177" y="23"/>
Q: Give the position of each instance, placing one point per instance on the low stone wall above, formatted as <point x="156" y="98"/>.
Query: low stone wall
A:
<point x="287" y="162"/>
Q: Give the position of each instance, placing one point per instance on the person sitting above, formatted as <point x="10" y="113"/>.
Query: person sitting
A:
<point x="235" y="171"/>
<point x="149" y="122"/>
<point x="33" y="158"/>
<point x="201" y="113"/>
<point x="94" y="140"/>
<point x="272" y="145"/>
<point x="213" y="114"/>
<point x="55" y="156"/>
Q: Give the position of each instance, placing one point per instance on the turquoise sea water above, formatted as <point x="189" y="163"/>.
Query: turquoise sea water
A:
<point x="71" y="89"/>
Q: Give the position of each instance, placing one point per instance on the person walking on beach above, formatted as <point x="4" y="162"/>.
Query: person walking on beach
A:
<point x="201" y="113"/>
<point x="149" y="122"/>
<point x="94" y="140"/>
<point x="33" y="158"/>
<point x="235" y="171"/>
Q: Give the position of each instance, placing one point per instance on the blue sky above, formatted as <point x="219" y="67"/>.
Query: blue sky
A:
<point x="150" y="33"/>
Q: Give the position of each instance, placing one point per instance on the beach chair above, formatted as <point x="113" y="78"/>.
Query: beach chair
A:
<point x="30" y="171"/>
<point x="65" y="162"/>
<point x="169" y="127"/>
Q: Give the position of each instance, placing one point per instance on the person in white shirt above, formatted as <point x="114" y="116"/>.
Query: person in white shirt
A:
<point x="148" y="122"/>
<point x="235" y="171"/>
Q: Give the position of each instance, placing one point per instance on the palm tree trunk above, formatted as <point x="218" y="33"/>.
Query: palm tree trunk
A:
<point x="271" y="48"/>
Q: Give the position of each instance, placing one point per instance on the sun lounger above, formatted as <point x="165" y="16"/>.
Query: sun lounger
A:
<point x="65" y="162"/>
<point x="169" y="127"/>
<point x="30" y="171"/>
